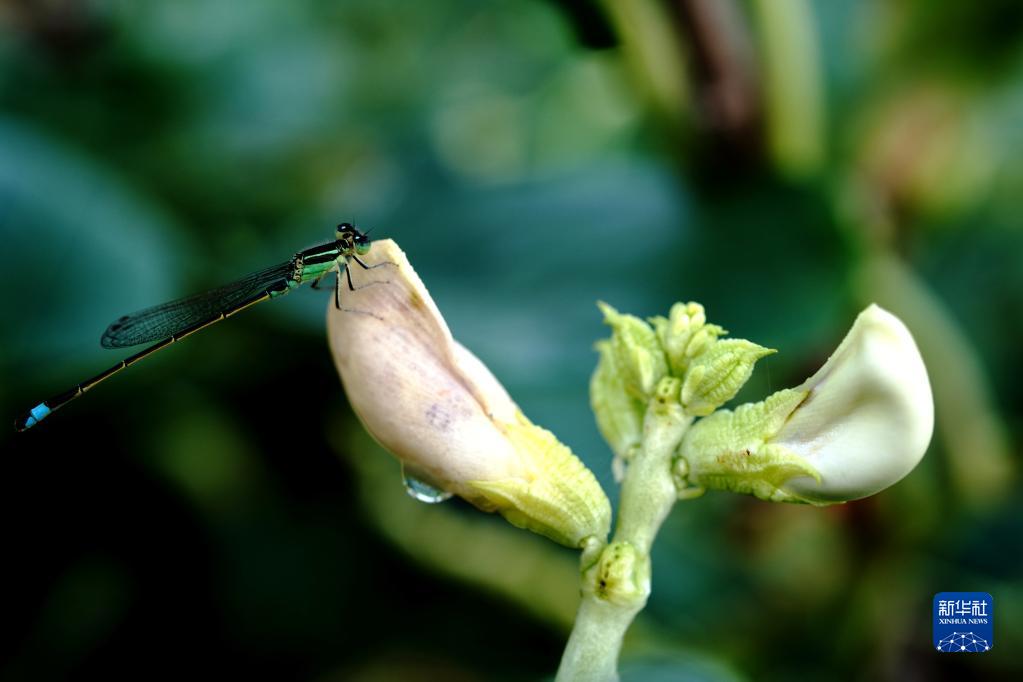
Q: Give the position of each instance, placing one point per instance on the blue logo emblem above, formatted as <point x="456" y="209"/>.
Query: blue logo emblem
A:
<point x="963" y="622"/>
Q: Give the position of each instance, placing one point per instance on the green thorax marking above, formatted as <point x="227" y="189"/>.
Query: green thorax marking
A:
<point x="311" y="271"/>
<point x="314" y="263"/>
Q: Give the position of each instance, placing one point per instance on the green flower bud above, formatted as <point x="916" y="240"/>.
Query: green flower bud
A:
<point x="637" y="353"/>
<point x="619" y="415"/>
<point x="685" y="334"/>
<point x="717" y="374"/>
<point x="621" y="575"/>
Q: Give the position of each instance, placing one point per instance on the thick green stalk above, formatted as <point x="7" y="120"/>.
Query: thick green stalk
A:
<point x="616" y="579"/>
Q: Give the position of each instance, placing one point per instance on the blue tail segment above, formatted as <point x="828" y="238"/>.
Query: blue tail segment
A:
<point x="34" y="416"/>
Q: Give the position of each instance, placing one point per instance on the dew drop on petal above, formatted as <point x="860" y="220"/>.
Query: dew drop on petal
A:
<point x="421" y="491"/>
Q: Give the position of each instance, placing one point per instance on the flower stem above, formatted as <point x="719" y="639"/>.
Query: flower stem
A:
<point x="596" y="639"/>
<point x="616" y="578"/>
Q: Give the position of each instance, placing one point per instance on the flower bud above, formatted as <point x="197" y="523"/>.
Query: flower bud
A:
<point x="857" y="426"/>
<point x="438" y="409"/>
<point x="637" y="352"/>
<point x="620" y="575"/>
<point x="685" y="334"/>
<point x="619" y="414"/>
<point x="718" y="373"/>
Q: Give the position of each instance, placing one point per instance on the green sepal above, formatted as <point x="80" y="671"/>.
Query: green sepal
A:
<point x="730" y="450"/>
<point x="749" y="425"/>
<point x="717" y="374"/>
<point x="760" y="473"/>
<point x="560" y="498"/>
<point x="638" y="356"/>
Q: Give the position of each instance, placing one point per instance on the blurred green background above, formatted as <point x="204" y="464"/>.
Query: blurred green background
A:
<point x="218" y="512"/>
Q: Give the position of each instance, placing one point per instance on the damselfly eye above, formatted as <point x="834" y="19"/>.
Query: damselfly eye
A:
<point x="362" y="248"/>
<point x="345" y="231"/>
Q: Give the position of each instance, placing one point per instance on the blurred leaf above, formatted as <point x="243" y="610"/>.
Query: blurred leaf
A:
<point x="669" y="668"/>
<point x="81" y="248"/>
<point x="477" y="549"/>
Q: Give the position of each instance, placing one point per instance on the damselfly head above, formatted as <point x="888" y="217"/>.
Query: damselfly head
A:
<point x="349" y="237"/>
<point x="349" y="232"/>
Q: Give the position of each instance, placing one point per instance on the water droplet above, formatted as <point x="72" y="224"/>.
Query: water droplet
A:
<point x="423" y="492"/>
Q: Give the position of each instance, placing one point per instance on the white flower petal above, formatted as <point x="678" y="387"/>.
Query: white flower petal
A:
<point x="435" y="406"/>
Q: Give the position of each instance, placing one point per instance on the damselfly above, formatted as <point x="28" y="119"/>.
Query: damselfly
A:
<point x="175" y="320"/>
